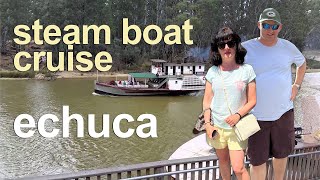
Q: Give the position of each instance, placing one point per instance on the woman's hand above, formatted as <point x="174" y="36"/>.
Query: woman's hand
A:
<point x="210" y="129"/>
<point x="233" y="119"/>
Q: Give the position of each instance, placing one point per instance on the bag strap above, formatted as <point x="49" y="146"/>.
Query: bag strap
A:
<point x="224" y="90"/>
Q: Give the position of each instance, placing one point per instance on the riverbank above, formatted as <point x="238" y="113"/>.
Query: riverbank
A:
<point x="69" y="75"/>
<point x="74" y="75"/>
<point x="312" y="67"/>
<point x="58" y="75"/>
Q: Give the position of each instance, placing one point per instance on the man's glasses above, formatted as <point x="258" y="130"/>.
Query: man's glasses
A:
<point x="222" y="45"/>
<point x="273" y="27"/>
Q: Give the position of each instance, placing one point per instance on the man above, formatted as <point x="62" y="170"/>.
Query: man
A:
<point x="271" y="58"/>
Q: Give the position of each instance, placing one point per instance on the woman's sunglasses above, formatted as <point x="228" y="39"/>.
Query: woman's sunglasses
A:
<point x="267" y="26"/>
<point x="222" y="45"/>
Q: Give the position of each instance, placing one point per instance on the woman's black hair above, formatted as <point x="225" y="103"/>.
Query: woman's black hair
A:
<point x="224" y="34"/>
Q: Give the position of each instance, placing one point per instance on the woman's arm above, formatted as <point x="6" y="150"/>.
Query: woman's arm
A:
<point x="207" y="98"/>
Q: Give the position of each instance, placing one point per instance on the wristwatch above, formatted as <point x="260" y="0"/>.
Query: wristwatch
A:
<point x="297" y="85"/>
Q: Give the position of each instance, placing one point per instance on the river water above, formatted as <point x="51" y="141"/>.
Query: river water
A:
<point x="38" y="155"/>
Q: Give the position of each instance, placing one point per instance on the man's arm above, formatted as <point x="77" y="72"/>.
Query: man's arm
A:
<point x="300" y="71"/>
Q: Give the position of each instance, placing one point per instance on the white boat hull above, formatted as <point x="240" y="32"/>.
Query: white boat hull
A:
<point x="104" y="88"/>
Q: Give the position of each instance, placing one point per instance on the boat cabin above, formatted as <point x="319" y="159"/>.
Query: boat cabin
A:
<point x="162" y="68"/>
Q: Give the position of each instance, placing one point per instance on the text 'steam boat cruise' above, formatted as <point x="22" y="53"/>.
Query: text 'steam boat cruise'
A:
<point x="164" y="79"/>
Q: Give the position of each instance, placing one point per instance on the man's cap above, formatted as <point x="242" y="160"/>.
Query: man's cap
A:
<point x="270" y="14"/>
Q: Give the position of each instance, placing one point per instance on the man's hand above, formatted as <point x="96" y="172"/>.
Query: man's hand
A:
<point x="294" y="92"/>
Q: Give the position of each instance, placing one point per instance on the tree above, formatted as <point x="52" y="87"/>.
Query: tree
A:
<point x="13" y="13"/>
<point x="313" y="15"/>
<point x="301" y="19"/>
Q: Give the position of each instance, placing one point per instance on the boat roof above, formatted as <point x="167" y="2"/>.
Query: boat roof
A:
<point x="184" y="64"/>
<point x="158" y="60"/>
<point x="143" y="75"/>
<point x="176" y="64"/>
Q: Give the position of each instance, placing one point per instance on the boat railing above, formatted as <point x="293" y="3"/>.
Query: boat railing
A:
<point x="303" y="163"/>
<point x="128" y="84"/>
<point x="192" y="81"/>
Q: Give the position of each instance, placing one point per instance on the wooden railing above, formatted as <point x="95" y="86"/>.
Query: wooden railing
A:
<point x="303" y="163"/>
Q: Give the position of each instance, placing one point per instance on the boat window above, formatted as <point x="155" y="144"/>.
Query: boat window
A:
<point x="199" y="67"/>
<point x="176" y="82"/>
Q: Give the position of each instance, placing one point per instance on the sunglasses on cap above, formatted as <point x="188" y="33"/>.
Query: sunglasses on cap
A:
<point x="222" y="45"/>
<point x="273" y="27"/>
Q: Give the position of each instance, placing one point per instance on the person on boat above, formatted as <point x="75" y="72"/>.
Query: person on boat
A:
<point x="271" y="58"/>
<point x="230" y="84"/>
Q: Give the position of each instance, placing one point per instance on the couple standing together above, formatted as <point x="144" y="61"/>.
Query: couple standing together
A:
<point x="253" y="76"/>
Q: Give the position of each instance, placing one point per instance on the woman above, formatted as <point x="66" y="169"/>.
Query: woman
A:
<point x="230" y="85"/>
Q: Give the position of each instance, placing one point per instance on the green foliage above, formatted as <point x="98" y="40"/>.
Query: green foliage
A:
<point x="301" y="19"/>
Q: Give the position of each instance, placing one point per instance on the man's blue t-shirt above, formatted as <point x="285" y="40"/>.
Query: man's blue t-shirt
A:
<point x="272" y="66"/>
